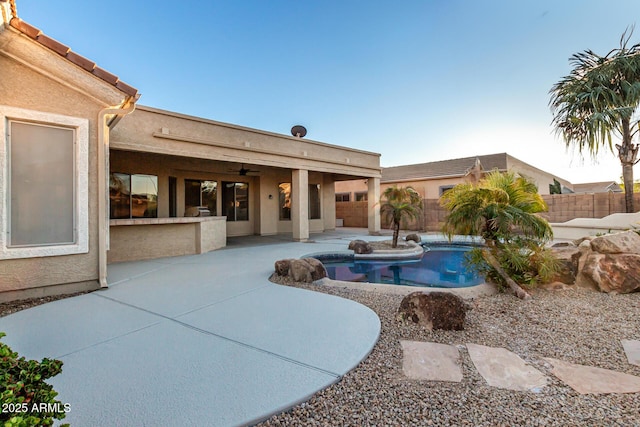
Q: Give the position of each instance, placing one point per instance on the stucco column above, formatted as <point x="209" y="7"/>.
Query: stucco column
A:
<point x="373" y="198"/>
<point x="300" y="204"/>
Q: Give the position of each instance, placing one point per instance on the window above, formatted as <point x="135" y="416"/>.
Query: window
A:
<point x="314" y="201"/>
<point x="284" y="198"/>
<point x="235" y="200"/>
<point x="44" y="191"/>
<point x="133" y="196"/>
<point x="445" y="188"/>
<point x="201" y="193"/>
<point x="362" y="196"/>
<point x="342" y="197"/>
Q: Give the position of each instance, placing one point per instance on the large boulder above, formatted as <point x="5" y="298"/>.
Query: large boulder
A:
<point x="360" y="247"/>
<point x="413" y="238"/>
<point x="615" y="273"/>
<point x="282" y="267"/>
<point x="569" y="258"/>
<point x="434" y="310"/>
<point x="319" y="271"/>
<point x="619" y="243"/>
<point x="301" y="270"/>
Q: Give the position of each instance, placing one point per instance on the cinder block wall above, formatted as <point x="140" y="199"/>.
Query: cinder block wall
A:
<point x="354" y="214"/>
<point x="562" y="208"/>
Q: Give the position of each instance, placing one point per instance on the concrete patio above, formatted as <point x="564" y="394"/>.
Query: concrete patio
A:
<point x="197" y="340"/>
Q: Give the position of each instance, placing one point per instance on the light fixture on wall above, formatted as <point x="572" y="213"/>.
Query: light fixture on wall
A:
<point x="270" y="196"/>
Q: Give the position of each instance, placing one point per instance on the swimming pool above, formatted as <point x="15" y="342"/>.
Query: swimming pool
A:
<point x="441" y="266"/>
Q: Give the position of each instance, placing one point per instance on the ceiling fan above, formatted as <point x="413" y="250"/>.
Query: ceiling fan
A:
<point x="243" y="171"/>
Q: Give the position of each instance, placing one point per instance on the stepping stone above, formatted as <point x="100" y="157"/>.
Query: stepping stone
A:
<point x="632" y="350"/>
<point x="590" y="380"/>
<point x="504" y="369"/>
<point x="431" y="361"/>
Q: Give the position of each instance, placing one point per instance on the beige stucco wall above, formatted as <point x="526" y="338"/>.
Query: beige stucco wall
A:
<point x="541" y="178"/>
<point x="165" y="132"/>
<point x="132" y="240"/>
<point x="25" y="88"/>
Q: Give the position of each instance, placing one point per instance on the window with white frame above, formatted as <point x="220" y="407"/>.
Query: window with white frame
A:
<point x="43" y="184"/>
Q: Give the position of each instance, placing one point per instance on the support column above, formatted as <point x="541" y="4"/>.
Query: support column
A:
<point x="300" y="204"/>
<point x="373" y="198"/>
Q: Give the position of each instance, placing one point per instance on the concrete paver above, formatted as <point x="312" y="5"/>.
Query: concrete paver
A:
<point x="504" y="369"/>
<point x="431" y="361"/>
<point x="592" y="380"/>
<point x="632" y="350"/>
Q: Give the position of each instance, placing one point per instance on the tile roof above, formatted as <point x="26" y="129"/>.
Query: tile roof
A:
<point x="597" y="187"/>
<point x="64" y="51"/>
<point x="443" y="168"/>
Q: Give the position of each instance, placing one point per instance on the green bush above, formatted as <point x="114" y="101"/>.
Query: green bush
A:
<point x="526" y="261"/>
<point x="25" y="398"/>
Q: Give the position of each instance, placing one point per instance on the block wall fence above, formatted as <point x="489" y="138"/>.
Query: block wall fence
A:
<point x="562" y="208"/>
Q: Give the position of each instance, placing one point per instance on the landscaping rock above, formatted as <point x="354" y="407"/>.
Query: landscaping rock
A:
<point x="282" y="267"/>
<point x="619" y="243"/>
<point x="413" y="237"/>
<point x="614" y="273"/>
<point x="301" y="270"/>
<point x="434" y="310"/>
<point x="569" y="257"/>
<point x="319" y="271"/>
<point x="360" y="247"/>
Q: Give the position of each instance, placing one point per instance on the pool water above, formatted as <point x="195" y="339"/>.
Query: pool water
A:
<point x="440" y="267"/>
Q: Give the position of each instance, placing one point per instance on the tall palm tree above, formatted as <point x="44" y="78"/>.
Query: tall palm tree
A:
<point x="498" y="207"/>
<point x="399" y="203"/>
<point x="599" y="99"/>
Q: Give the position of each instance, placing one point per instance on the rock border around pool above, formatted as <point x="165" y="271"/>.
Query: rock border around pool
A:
<point x="414" y="251"/>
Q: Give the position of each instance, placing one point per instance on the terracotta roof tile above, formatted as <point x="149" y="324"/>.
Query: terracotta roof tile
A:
<point x="52" y="44"/>
<point x="81" y="61"/>
<point x="105" y="75"/>
<point x="129" y="90"/>
<point x="65" y="51"/>
<point x="25" y="28"/>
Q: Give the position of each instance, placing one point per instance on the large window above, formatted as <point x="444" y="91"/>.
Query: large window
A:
<point x="43" y="184"/>
<point x="235" y="200"/>
<point x="361" y="196"/>
<point x="284" y="197"/>
<point x="314" y="201"/>
<point x="343" y="197"/>
<point x="201" y="193"/>
<point x="133" y="196"/>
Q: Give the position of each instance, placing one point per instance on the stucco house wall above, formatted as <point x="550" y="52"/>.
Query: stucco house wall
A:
<point x="30" y="82"/>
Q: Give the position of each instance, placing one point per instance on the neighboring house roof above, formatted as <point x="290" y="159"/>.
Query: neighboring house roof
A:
<point x="443" y="168"/>
<point x="64" y="51"/>
<point x="597" y="187"/>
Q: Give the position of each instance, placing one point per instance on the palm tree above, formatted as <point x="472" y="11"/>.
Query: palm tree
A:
<point x="498" y="207"/>
<point x="598" y="99"/>
<point x="399" y="203"/>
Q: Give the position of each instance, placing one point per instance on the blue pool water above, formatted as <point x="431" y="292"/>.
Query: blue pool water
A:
<point x="442" y="266"/>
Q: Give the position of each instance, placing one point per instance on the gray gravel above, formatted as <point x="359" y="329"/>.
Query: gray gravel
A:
<point x="576" y="325"/>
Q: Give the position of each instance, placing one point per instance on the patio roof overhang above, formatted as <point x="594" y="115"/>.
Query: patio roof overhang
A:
<point x="162" y="132"/>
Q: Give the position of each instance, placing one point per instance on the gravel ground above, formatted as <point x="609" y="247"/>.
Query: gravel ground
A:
<point x="6" y="308"/>
<point x="575" y="325"/>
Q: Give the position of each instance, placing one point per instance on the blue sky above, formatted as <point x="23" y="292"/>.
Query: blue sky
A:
<point x="416" y="81"/>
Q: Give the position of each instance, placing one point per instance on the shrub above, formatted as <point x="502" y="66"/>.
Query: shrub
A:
<point x="527" y="262"/>
<point x="26" y="399"/>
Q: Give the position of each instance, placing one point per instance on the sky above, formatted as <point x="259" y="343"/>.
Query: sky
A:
<point x="414" y="80"/>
